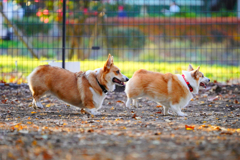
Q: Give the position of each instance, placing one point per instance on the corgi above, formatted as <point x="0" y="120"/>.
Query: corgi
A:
<point x="172" y="91"/>
<point x="82" y="89"/>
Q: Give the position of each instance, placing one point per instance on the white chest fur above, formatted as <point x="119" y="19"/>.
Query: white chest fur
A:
<point x="184" y="101"/>
<point x="97" y="99"/>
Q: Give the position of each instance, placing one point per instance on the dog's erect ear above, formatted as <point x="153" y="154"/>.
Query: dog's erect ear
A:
<point x="112" y="60"/>
<point x="195" y="73"/>
<point x="190" y="68"/>
<point x="108" y="63"/>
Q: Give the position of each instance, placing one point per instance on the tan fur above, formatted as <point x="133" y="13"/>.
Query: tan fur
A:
<point x="173" y="91"/>
<point x="61" y="83"/>
<point x="73" y="88"/>
<point x="155" y="85"/>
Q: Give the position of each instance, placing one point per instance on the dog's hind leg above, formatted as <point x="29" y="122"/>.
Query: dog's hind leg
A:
<point x="165" y="110"/>
<point x="37" y="94"/>
<point x="128" y="103"/>
<point x="135" y="102"/>
<point x="36" y="102"/>
<point x="177" y="109"/>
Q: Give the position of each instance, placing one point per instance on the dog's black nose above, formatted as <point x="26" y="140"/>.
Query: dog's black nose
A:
<point x="127" y="79"/>
<point x="208" y="80"/>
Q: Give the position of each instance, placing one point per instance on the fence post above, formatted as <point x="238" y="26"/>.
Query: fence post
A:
<point x="63" y="33"/>
<point x="238" y="9"/>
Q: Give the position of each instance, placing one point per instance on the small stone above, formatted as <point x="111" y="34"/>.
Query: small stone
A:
<point x="138" y="118"/>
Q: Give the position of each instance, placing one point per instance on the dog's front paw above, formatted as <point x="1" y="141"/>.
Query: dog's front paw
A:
<point x="129" y="107"/>
<point x="37" y="105"/>
<point x="182" y="114"/>
<point x="93" y="111"/>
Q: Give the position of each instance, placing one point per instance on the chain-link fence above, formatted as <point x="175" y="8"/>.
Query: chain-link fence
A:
<point x="158" y="35"/>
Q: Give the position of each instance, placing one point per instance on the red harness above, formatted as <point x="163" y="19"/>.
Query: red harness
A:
<point x="188" y="84"/>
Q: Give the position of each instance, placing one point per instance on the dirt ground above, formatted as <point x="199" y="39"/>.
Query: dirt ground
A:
<point x="59" y="131"/>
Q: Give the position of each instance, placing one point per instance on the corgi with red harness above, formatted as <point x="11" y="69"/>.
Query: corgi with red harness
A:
<point x="82" y="89"/>
<point x="172" y="91"/>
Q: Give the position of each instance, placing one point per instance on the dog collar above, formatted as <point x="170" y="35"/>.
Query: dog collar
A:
<point x="102" y="87"/>
<point x="188" y="84"/>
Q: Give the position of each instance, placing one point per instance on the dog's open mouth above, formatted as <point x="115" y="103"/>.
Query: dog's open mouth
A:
<point x="202" y="84"/>
<point x="118" y="82"/>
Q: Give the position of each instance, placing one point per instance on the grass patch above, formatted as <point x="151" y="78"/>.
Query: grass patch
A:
<point x="25" y="65"/>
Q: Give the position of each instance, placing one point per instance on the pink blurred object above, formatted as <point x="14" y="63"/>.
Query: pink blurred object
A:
<point x="45" y="12"/>
<point x="120" y="8"/>
<point x="46" y="20"/>
<point x="85" y="10"/>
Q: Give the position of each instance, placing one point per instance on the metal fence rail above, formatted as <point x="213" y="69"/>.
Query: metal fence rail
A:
<point x="158" y="35"/>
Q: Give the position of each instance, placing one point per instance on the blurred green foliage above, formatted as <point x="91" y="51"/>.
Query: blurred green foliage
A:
<point x="125" y="37"/>
<point x="32" y="25"/>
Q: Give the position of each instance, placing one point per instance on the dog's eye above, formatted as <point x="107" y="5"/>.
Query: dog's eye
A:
<point x="117" y="72"/>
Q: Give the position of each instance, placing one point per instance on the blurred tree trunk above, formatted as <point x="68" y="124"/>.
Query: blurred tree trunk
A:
<point x="76" y="32"/>
<point x="96" y="29"/>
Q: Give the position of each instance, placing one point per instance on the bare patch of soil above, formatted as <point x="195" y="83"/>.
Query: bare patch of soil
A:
<point x="60" y="131"/>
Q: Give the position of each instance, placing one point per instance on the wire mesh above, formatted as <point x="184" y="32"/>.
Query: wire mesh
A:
<point x="157" y="35"/>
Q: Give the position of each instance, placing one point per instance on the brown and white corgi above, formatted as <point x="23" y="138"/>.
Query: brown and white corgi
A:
<point x="82" y="89"/>
<point x="173" y="91"/>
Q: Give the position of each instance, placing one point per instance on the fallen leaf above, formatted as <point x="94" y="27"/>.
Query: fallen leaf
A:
<point x="236" y="101"/>
<point x="46" y="155"/>
<point x="48" y="105"/>
<point x="34" y="143"/>
<point x="189" y="127"/>
<point x="112" y="108"/>
<point x="226" y="133"/>
<point x="4" y="101"/>
<point x="204" y="126"/>
<point x="119" y="101"/>
<point x="90" y="130"/>
<point x="157" y="133"/>
<point x="123" y="127"/>
<point x="218" y="128"/>
<point x="134" y="115"/>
